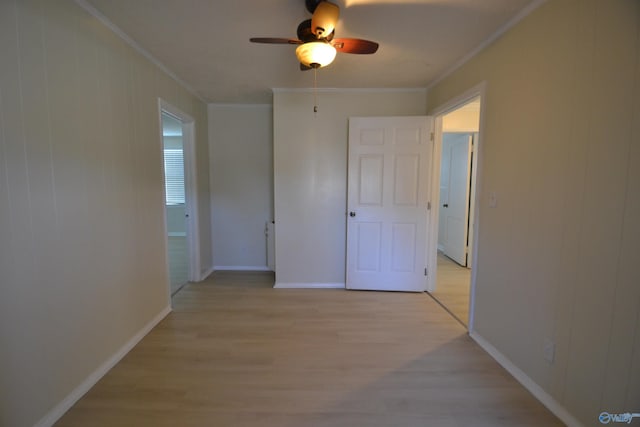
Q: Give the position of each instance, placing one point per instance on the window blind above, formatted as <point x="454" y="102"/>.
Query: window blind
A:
<point x="174" y="176"/>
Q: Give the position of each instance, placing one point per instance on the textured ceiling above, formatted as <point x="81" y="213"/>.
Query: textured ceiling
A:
<point x="205" y="43"/>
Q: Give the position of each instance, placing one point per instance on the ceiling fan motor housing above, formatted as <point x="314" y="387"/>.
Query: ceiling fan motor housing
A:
<point x="311" y="5"/>
<point x="305" y="34"/>
<point x="304" y="31"/>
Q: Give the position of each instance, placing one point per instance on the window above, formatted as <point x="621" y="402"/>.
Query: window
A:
<point x="174" y="175"/>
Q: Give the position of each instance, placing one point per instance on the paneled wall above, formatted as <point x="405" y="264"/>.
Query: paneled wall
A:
<point x="82" y="244"/>
<point x="558" y="256"/>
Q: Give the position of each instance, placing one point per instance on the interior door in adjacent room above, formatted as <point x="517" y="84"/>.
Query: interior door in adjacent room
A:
<point x="455" y="191"/>
<point x="388" y="190"/>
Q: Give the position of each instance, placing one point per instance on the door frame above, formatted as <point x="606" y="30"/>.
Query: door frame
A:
<point x="478" y="91"/>
<point x="191" y="190"/>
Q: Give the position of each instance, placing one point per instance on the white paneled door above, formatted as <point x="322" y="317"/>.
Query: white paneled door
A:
<point x="455" y="189"/>
<point x="388" y="189"/>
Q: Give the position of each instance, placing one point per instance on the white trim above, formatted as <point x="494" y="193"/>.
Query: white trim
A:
<point x="61" y="408"/>
<point x="206" y="273"/>
<point x="128" y="40"/>
<point x="304" y="285"/>
<point x="503" y="29"/>
<point x="538" y="392"/>
<point x="191" y="192"/>
<point x="349" y="90"/>
<point x="175" y="111"/>
<point x="434" y="196"/>
<point x="458" y="101"/>
<point x="241" y="268"/>
<point x="177" y="234"/>
<point x="477" y="91"/>
<point x="237" y="105"/>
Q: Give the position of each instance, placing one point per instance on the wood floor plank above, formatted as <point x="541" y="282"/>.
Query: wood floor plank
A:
<point x="236" y="352"/>
<point x="453" y="286"/>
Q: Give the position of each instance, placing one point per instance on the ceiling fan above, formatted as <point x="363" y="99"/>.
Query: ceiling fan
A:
<point x="317" y="46"/>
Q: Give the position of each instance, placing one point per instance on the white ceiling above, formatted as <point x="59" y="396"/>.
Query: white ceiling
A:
<point x="205" y="43"/>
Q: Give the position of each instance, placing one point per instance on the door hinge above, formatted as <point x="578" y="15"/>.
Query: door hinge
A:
<point x="431" y="136"/>
<point x="428" y="206"/>
<point x="426" y="272"/>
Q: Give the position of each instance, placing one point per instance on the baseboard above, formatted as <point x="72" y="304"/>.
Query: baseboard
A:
<point x="61" y="408"/>
<point x="290" y="285"/>
<point x="241" y="268"/>
<point x="545" y="398"/>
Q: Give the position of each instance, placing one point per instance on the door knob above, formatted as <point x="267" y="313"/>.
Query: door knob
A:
<point x="352" y="214"/>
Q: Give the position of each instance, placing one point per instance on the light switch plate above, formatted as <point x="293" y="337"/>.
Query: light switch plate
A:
<point x="549" y="350"/>
<point x="493" y="199"/>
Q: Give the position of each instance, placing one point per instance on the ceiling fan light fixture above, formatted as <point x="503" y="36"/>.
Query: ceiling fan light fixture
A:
<point x="316" y="54"/>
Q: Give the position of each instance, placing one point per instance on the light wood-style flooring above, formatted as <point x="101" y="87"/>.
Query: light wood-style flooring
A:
<point x="237" y="353"/>
<point x="453" y="285"/>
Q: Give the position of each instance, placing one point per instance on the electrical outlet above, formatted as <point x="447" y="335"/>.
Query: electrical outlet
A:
<point x="549" y="350"/>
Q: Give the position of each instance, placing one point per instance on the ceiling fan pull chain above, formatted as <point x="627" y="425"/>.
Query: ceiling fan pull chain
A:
<point x="315" y="90"/>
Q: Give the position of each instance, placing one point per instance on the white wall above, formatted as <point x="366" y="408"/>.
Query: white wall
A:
<point x="310" y="166"/>
<point x="241" y="161"/>
<point x="558" y="257"/>
<point x="82" y="246"/>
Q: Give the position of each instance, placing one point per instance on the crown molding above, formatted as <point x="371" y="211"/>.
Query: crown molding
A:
<point x="501" y="31"/>
<point x="128" y="40"/>
<point x="350" y="90"/>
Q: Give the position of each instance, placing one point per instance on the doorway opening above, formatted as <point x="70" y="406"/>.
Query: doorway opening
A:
<point x="457" y="140"/>
<point x="180" y="207"/>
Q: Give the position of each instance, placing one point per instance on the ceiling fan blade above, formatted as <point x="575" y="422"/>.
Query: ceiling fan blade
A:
<point x="274" y="40"/>
<point x="324" y="19"/>
<point x="359" y="46"/>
